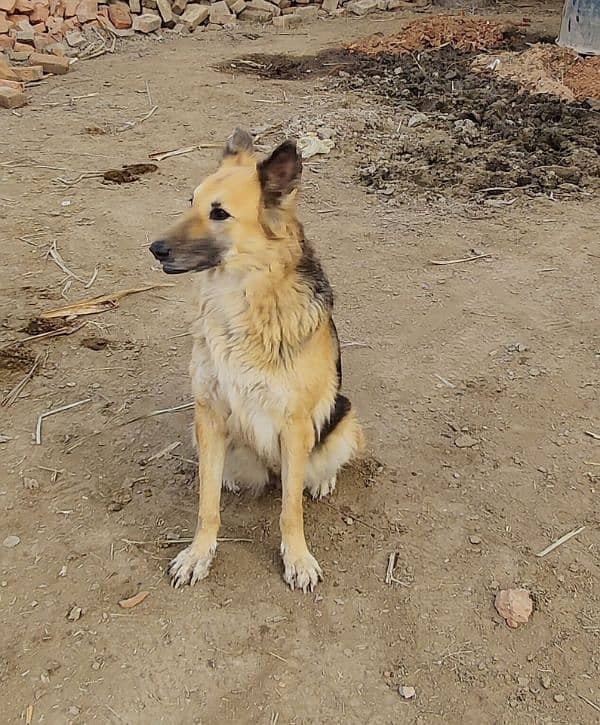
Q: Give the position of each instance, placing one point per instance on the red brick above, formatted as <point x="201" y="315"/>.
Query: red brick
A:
<point x="70" y="7"/>
<point x="29" y="73"/>
<point x="87" y="10"/>
<point x="24" y="6"/>
<point x="5" y="23"/>
<point x="23" y="48"/>
<point x="16" y="85"/>
<point x="50" y="63"/>
<point x="54" y="25"/>
<point x="11" y="98"/>
<point x="6" y="72"/>
<point x="120" y="16"/>
<point x="42" y="41"/>
<point x="39" y="14"/>
<point x="8" y="5"/>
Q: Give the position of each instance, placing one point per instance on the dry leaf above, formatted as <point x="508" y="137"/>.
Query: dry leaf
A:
<point x="101" y="303"/>
<point x="133" y="601"/>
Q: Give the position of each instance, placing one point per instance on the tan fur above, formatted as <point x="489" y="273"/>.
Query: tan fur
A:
<point x="263" y="363"/>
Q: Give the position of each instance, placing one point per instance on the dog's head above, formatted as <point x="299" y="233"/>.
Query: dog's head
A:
<point x="238" y="213"/>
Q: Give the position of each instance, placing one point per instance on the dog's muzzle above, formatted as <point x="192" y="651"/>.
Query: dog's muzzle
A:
<point x="194" y="257"/>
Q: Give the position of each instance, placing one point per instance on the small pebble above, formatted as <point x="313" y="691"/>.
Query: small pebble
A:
<point x="546" y="681"/>
<point x="349" y="520"/>
<point x="559" y="698"/>
<point x="465" y="441"/>
<point x="11" y="541"/>
<point x="74" y="614"/>
<point x="406" y="692"/>
<point x="475" y="539"/>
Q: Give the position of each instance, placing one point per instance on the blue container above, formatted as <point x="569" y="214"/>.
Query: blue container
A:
<point x="580" y="28"/>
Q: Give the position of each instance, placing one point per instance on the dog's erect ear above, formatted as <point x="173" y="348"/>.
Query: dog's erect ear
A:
<point x="280" y="174"/>
<point x="239" y="142"/>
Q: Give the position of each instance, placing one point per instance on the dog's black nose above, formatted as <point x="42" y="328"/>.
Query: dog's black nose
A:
<point x="160" y="249"/>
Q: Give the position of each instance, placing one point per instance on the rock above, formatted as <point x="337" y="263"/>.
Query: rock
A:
<point x="406" y="692"/>
<point x="8" y="6"/>
<point x="120" y="16"/>
<point x="254" y="15"/>
<point x="417" y="119"/>
<point x="75" y="39"/>
<point x="362" y="7"/>
<point x="87" y="10"/>
<point x="220" y="14"/>
<point x="39" y="14"/>
<point x="194" y="15"/>
<point x="6" y="72"/>
<point x="54" y="64"/>
<point x="514" y="605"/>
<point x="266" y="6"/>
<point x="465" y="441"/>
<point x="546" y="681"/>
<point x="287" y="21"/>
<point x="70" y="7"/>
<point x="74" y="614"/>
<point x="559" y="698"/>
<point x="237" y="6"/>
<point x="164" y="8"/>
<point x="329" y="6"/>
<point x="179" y="6"/>
<point x="10" y="541"/>
<point x="146" y="23"/>
<point x="475" y="540"/>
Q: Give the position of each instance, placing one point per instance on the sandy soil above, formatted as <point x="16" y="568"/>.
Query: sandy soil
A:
<point x="505" y="350"/>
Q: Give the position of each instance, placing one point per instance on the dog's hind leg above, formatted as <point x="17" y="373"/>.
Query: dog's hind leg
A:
<point x="244" y="470"/>
<point x="339" y="447"/>
<point x="301" y="569"/>
<point x="193" y="563"/>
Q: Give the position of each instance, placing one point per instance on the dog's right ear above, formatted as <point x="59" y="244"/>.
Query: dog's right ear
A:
<point x="239" y="147"/>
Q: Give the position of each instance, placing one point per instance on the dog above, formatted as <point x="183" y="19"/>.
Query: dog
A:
<point x="265" y="369"/>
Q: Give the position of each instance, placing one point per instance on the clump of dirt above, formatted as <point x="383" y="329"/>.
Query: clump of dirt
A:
<point x="549" y="69"/>
<point x="15" y="360"/>
<point x="40" y="325"/>
<point x="95" y="343"/>
<point x="437" y="31"/>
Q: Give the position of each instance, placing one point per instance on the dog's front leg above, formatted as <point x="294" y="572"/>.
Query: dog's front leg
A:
<point x="301" y="569"/>
<point x="193" y="563"/>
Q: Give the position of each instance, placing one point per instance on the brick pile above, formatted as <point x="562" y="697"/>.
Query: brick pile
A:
<point x="44" y="36"/>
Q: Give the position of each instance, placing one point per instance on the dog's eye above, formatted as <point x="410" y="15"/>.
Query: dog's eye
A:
<point x="217" y="214"/>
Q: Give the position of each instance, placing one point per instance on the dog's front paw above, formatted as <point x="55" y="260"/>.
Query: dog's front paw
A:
<point x="190" y="566"/>
<point x="300" y="570"/>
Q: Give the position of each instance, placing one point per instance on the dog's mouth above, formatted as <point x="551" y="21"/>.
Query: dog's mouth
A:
<point x="186" y="260"/>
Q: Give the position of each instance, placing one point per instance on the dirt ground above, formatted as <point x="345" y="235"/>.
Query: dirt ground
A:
<point x="500" y="356"/>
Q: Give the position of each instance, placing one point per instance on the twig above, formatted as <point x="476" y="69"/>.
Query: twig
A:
<point x="591" y="463"/>
<point x="80" y="177"/>
<point x="164" y="451"/>
<point x="130" y="124"/>
<point x="590" y="703"/>
<point x="92" y="279"/>
<point x="174" y="409"/>
<point x="11" y="397"/>
<point x="149" y="94"/>
<point x="559" y="542"/>
<point x="459" y="261"/>
<point x="60" y="262"/>
<point x="595" y="436"/>
<point x="101" y="303"/>
<point x="443" y="380"/>
<point x="54" y="411"/>
<point x="350" y="343"/>
<point x="67" y="330"/>
<point x="184" y="540"/>
<point x="162" y="155"/>
<point x="389" y="572"/>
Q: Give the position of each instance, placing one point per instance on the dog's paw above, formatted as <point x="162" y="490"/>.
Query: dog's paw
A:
<point x="323" y="488"/>
<point x="301" y="571"/>
<point x="190" y="566"/>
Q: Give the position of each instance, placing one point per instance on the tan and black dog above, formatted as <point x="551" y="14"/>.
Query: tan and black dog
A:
<point x="265" y="367"/>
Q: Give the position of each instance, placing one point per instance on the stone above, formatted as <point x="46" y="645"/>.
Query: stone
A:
<point x="23" y="6"/>
<point x="11" y="541"/>
<point x="237" y="6"/>
<point x="42" y="41"/>
<point x="87" y="10"/>
<point x="26" y="74"/>
<point x="11" y="98"/>
<point x="329" y="5"/>
<point x="39" y="14"/>
<point x="75" y="39"/>
<point x="146" y="23"/>
<point x="255" y="15"/>
<point x="135" y="6"/>
<point x="546" y="681"/>
<point x="120" y="16"/>
<point x="407" y="692"/>
<point x="514" y="605"/>
<point x="362" y="7"/>
<point x="266" y="6"/>
<point x="164" y="8"/>
<point x="194" y="15"/>
<point x="50" y="63"/>
<point x="475" y="540"/>
<point x="6" y="72"/>
<point x="26" y="36"/>
<point x="74" y="614"/>
<point x="220" y="13"/>
<point x="465" y="441"/>
<point x="179" y="6"/>
<point x="286" y="22"/>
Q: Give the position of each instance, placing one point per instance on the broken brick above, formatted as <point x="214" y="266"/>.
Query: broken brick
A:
<point x="24" y="6"/>
<point x="25" y="74"/>
<point x="69" y="7"/>
<point x="178" y="6"/>
<point x="50" y="63"/>
<point x="11" y="98"/>
<point x="8" y="5"/>
<point x="39" y="14"/>
<point x="146" y="23"/>
<point x="87" y="10"/>
<point x="194" y="15"/>
<point x="15" y="85"/>
<point x="6" y="72"/>
<point x="120" y="16"/>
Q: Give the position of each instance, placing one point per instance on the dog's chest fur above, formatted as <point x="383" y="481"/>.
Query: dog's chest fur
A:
<point x="242" y="359"/>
